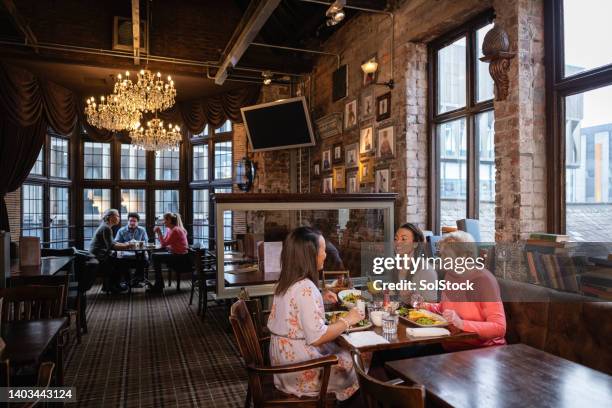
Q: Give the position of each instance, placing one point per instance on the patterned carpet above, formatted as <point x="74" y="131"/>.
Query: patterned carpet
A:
<point x="155" y="351"/>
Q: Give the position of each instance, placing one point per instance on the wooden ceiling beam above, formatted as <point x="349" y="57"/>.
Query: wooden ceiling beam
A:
<point x="252" y="22"/>
<point x="136" y="30"/>
<point x="21" y="23"/>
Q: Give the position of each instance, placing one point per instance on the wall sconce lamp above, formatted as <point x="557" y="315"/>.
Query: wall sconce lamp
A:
<point x="369" y="68"/>
<point x="496" y="51"/>
<point x="245" y="174"/>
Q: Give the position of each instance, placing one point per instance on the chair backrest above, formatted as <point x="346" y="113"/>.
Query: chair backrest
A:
<point x="254" y="307"/>
<point x="379" y="394"/>
<point x="31" y="302"/>
<point x="44" y="280"/>
<point x="245" y="333"/>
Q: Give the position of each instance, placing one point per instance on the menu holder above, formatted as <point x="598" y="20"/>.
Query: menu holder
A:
<point x="29" y="251"/>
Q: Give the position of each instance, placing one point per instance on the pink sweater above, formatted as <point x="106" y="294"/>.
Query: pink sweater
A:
<point x="483" y="315"/>
<point x="175" y="240"/>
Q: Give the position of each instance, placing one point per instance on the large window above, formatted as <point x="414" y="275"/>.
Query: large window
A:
<point x="462" y="130"/>
<point x="133" y="163"/>
<point x="134" y="200"/>
<point x="211" y="172"/>
<point x="167" y="165"/>
<point x="97" y="160"/>
<point x="95" y="202"/>
<point x="165" y="201"/>
<point x="45" y="196"/>
<point x="579" y="88"/>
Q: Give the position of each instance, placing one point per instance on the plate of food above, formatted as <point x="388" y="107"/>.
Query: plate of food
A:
<point x="421" y="317"/>
<point x="350" y="297"/>
<point x="332" y="317"/>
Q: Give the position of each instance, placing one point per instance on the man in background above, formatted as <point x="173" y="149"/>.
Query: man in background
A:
<point x="132" y="231"/>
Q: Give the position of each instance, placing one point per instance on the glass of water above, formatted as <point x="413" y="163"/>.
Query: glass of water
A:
<point x="389" y="323"/>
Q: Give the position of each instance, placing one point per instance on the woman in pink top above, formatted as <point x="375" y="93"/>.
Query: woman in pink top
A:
<point x="176" y="255"/>
<point x="480" y="310"/>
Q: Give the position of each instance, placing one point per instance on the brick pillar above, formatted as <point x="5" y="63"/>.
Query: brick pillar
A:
<point x="520" y="199"/>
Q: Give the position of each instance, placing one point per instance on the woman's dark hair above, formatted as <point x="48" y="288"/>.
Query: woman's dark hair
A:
<point x="298" y="258"/>
<point x="416" y="231"/>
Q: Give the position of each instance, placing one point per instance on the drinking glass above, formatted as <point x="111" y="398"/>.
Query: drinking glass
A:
<point x="389" y="323"/>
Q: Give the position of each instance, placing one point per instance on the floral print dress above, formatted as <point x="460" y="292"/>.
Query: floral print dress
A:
<point x="297" y="319"/>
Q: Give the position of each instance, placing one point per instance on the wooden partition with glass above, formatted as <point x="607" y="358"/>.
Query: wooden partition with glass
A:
<point x="249" y="255"/>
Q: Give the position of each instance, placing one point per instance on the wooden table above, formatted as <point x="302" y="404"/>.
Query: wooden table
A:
<point x="49" y="265"/>
<point x="28" y="341"/>
<point x="257" y="277"/>
<point x="506" y="376"/>
<point x="403" y="340"/>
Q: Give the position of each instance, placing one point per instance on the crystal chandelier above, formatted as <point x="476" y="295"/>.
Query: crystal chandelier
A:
<point x="150" y="93"/>
<point x="156" y="136"/>
<point x="109" y="114"/>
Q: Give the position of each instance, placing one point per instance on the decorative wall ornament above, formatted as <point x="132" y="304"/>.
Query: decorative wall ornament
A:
<point x="329" y="125"/>
<point x="496" y="51"/>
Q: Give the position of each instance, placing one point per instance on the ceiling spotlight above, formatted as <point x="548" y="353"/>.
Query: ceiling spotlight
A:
<point x="335" y="12"/>
<point x="267" y="77"/>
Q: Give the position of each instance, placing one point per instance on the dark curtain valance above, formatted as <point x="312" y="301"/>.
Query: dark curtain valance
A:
<point x="30" y="105"/>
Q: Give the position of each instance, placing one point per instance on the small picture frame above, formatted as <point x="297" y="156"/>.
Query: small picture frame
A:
<point x="351" y="156"/>
<point x="366" y="105"/>
<point x="339" y="177"/>
<point x="383" y="107"/>
<point x="366" y="170"/>
<point x="328" y="186"/>
<point x="350" y="114"/>
<point x="352" y="184"/>
<point x="366" y="140"/>
<point x="385" y="142"/>
<point x="382" y="181"/>
<point x="326" y="161"/>
<point x="316" y="169"/>
<point x="337" y="153"/>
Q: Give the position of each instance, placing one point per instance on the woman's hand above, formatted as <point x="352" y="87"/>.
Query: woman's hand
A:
<point x="354" y="316"/>
<point x="157" y="229"/>
<point x="453" y="318"/>
<point x="329" y="297"/>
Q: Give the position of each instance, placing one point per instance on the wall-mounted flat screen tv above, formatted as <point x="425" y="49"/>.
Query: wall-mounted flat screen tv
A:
<point x="283" y="124"/>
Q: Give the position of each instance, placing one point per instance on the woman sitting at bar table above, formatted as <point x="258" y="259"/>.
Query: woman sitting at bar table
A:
<point x="480" y="311"/>
<point x="297" y="322"/>
<point x="176" y="245"/>
<point x="409" y="240"/>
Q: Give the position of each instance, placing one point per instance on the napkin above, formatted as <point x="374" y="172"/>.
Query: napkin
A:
<point x="426" y="331"/>
<point x="364" y="338"/>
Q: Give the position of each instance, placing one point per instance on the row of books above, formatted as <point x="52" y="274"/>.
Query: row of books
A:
<point x="549" y="263"/>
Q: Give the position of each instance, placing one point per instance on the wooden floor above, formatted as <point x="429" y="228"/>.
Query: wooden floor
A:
<point x="154" y="351"/>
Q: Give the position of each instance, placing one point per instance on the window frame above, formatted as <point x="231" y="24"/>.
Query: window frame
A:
<point x="558" y="88"/>
<point x="47" y="182"/>
<point x="469" y="112"/>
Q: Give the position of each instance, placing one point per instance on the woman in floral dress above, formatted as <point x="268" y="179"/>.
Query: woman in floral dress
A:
<point x="297" y="321"/>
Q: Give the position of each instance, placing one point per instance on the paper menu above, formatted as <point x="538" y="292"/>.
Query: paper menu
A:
<point x="272" y="256"/>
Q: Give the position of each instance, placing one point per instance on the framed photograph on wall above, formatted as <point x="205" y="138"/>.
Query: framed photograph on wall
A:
<point x="383" y="107"/>
<point x="340" y="83"/>
<point x="385" y="142"/>
<point x="382" y="181"/>
<point x="327" y="160"/>
<point x="366" y="105"/>
<point x="351" y="155"/>
<point x="352" y="186"/>
<point x="328" y="186"/>
<point x="316" y="169"/>
<point x="366" y="170"/>
<point x="366" y="140"/>
<point x="350" y="114"/>
<point x="337" y="153"/>
<point x="339" y="177"/>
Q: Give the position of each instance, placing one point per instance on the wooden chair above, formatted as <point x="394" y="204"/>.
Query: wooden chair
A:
<point x="182" y="266"/>
<point x="44" y="377"/>
<point x="260" y="391"/>
<point x="32" y="302"/>
<point x="203" y="278"/>
<point x="391" y="394"/>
